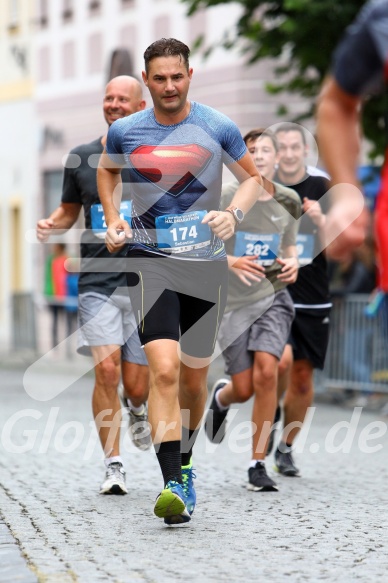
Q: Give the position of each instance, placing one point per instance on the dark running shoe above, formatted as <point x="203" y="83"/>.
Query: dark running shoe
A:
<point x="278" y="414"/>
<point x="259" y="481"/>
<point x="284" y="464"/>
<point x="215" y="421"/>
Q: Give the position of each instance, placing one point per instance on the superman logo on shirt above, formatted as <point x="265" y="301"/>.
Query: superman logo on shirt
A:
<point x="170" y="168"/>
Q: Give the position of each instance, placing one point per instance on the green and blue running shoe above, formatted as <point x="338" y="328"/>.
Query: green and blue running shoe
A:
<point x="170" y="504"/>
<point x="188" y="487"/>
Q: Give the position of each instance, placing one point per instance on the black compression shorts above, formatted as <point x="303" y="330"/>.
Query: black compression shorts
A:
<point x="177" y="299"/>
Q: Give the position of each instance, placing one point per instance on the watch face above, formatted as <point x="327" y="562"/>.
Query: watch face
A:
<point x="239" y="215"/>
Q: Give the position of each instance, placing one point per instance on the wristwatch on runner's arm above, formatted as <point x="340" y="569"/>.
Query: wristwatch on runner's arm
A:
<point x="237" y="213"/>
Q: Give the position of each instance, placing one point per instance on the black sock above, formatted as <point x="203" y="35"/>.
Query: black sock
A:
<point x="278" y="414"/>
<point x="169" y="458"/>
<point x="188" y="439"/>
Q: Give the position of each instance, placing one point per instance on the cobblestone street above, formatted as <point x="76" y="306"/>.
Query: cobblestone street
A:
<point x="328" y="525"/>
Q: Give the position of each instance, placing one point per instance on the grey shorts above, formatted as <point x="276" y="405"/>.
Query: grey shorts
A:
<point x="242" y="333"/>
<point x="106" y="320"/>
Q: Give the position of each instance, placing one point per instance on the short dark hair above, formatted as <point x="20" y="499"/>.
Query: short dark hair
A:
<point x="253" y="135"/>
<point x="292" y="127"/>
<point x="167" y="47"/>
<point x="258" y="133"/>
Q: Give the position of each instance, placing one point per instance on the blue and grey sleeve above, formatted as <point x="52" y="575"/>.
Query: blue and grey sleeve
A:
<point x="360" y="58"/>
<point x="114" y="144"/>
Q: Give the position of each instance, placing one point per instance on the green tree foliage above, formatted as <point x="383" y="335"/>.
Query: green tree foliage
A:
<point x="301" y="35"/>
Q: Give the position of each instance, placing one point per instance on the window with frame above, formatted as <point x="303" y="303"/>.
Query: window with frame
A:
<point x="68" y="60"/>
<point x="44" y="64"/>
<point x="127" y="4"/>
<point x="67" y="11"/>
<point x="94" y="7"/>
<point x="95" y="50"/>
<point x="43" y="13"/>
<point x="13" y="14"/>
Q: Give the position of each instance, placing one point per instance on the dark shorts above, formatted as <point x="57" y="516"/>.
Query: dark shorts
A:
<point x="178" y="299"/>
<point x="309" y="335"/>
<point x="268" y="333"/>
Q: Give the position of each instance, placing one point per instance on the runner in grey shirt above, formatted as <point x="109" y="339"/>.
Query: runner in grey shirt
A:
<point x="263" y="259"/>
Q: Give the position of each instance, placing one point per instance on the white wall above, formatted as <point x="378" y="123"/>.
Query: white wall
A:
<point x="18" y="185"/>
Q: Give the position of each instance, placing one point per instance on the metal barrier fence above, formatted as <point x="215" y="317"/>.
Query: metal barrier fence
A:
<point x="357" y="356"/>
<point x="23" y="322"/>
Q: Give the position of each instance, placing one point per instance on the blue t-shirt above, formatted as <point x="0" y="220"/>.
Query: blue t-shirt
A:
<point x="360" y="60"/>
<point x="176" y="177"/>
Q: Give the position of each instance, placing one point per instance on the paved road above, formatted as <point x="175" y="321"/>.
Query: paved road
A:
<point x="13" y="566"/>
<point x="329" y="525"/>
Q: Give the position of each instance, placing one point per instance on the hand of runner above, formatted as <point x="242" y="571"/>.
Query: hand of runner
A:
<point x="348" y="235"/>
<point x="313" y="209"/>
<point x="221" y="223"/>
<point x="289" y="272"/>
<point x="44" y="229"/>
<point x="118" y="231"/>
<point x="247" y="269"/>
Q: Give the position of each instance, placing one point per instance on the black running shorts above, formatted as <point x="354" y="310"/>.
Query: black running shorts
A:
<point x="309" y="335"/>
<point x="178" y="299"/>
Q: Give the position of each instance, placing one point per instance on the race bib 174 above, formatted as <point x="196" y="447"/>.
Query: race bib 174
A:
<point x="180" y="233"/>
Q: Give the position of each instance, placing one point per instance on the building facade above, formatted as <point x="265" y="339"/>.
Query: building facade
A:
<point x="18" y="161"/>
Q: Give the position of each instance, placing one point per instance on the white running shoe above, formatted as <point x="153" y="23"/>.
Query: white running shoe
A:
<point x="139" y="428"/>
<point x="114" y="480"/>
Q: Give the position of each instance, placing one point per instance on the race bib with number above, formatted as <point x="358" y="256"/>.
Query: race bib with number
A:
<point x="266" y="246"/>
<point x="305" y="248"/>
<point x="98" y="219"/>
<point x="180" y="233"/>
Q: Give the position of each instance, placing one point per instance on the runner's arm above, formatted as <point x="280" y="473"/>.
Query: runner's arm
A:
<point x="251" y="186"/>
<point x="290" y="263"/>
<point x="60" y="220"/>
<point x="109" y="189"/>
<point x="338" y="130"/>
<point x="252" y="183"/>
<point x="246" y="268"/>
<point x="339" y="142"/>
